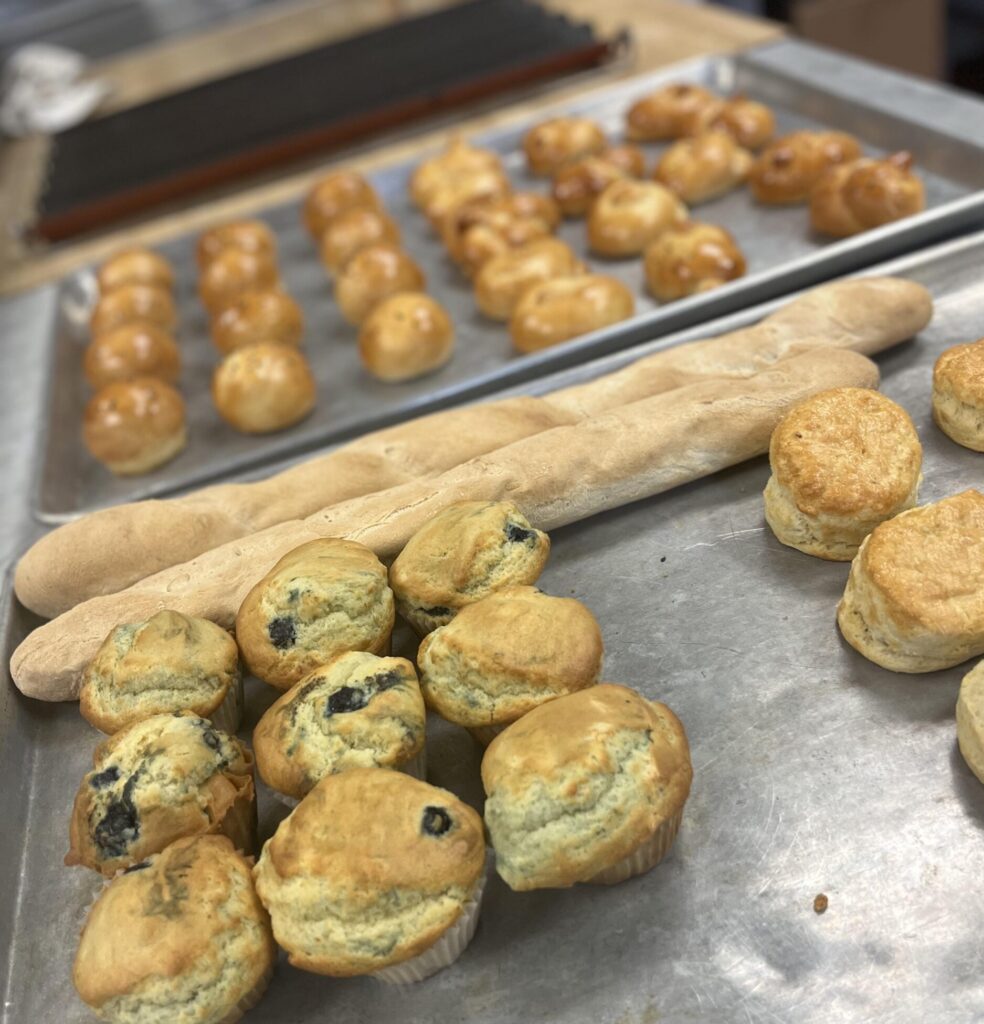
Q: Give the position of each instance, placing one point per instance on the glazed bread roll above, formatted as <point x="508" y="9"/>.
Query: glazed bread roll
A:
<point x="484" y="185"/>
<point x="786" y="171"/>
<point x="137" y="349"/>
<point x="958" y="394"/>
<point x="842" y="462"/>
<point x="616" y="457"/>
<point x="749" y="123"/>
<point x="690" y="258"/>
<point x="459" y="160"/>
<point x="134" y="426"/>
<point x="561" y="140"/>
<point x="562" y="308"/>
<point x="113" y="548"/>
<point x="671" y="112"/>
<point x="501" y="282"/>
<point x="628" y="215"/>
<point x="135" y="266"/>
<point x="351" y="232"/>
<point x="133" y="302"/>
<point x="406" y="336"/>
<point x="231" y="273"/>
<point x="704" y="167"/>
<point x="865" y="194"/>
<point x="372" y="275"/>
<point x="270" y="316"/>
<point x="332" y="196"/>
<point x="577" y="185"/>
<point x="251" y="236"/>
<point x="914" y="600"/>
<point x="263" y="388"/>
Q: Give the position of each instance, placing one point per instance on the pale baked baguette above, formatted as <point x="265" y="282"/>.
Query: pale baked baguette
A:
<point x="111" y="549"/>
<point x="558" y="476"/>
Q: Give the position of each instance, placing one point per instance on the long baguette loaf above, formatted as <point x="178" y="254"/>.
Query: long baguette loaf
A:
<point x="556" y="477"/>
<point x="111" y="549"/>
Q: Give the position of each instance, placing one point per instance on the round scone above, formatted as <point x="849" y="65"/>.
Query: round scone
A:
<point x="374" y="873"/>
<point x="355" y="711"/>
<point x="460" y="555"/>
<point x="265" y="316"/>
<point x="136" y="349"/>
<point x="502" y="656"/>
<point x="914" y="600"/>
<point x="171" y="662"/>
<point x="321" y="599"/>
<point x="262" y="388"/>
<point x="158" y="780"/>
<point x="180" y="937"/>
<point x="842" y="461"/>
<point x="586" y="788"/>
<point x="958" y="394"/>
<point x="970" y="719"/>
<point x="135" y="266"/>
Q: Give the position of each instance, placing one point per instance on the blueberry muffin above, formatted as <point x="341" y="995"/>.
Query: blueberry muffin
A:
<point x="374" y="873"/>
<point x="460" y="555"/>
<point x="586" y="788"/>
<point x="505" y="655"/>
<point x="171" y="662"/>
<point x="357" y="711"/>
<point x="321" y="599"/>
<point x="158" y="780"/>
<point x="180" y="937"/>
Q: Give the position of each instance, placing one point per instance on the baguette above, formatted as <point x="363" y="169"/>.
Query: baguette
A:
<point x="555" y="477"/>
<point x="108" y="550"/>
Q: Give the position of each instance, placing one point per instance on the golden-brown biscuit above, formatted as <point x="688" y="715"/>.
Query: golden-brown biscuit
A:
<point x="406" y="336"/>
<point x="842" y="462"/>
<point x="787" y="169"/>
<point x="970" y="719"/>
<point x="253" y="236"/>
<point x="135" y="266"/>
<point x="628" y="215"/>
<point x="262" y="388"/>
<point x="130" y="302"/>
<point x="134" y="426"/>
<point x="577" y="185"/>
<point x="136" y="349"/>
<point x="704" y="167"/>
<point x="333" y="195"/>
<point x="865" y="194"/>
<point x="958" y="394"/>
<point x="671" y="112"/>
<point x="353" y="230"/>
<point x="232" y="273"/>
<point x="459" y="160"/>
<point x="373" y="274"/>
<point x="561" y="140"/>
<point x="914" y="600"/>
<point x="565" y="307"/>
<point x="689" y="258"/>
<point x="501" y="282"/>
<point x="271" y="316"/>
<point x="750" y="123"/>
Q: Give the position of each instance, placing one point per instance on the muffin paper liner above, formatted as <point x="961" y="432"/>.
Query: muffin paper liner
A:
<point x="228" y="716"/>
<point x="644" y="857"/>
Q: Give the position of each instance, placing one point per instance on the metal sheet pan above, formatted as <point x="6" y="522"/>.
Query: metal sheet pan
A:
<point x="808" y="87"/>
<point x="815" y="772"/>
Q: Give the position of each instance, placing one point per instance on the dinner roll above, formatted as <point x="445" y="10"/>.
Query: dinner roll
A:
<point x="352" y="231"/>
<point x="750" y="123"/>
<point x="134" y="426"/>
<point x="958" y="394"/>
<point x="459" y="160"/>
<point x="970" y="719"/>
<point x="842" y="462"/>
<point x="405" y="336"/>
<point x="333" y="195"/>
<point x="482" y="185"/>
<point x="137" y="349"/>
<point x="671" y="112"/>
<point x="233" y="272"/>
<point x="262" y="388"/>
<point x="914" y="600"/>
<point x="787" y="169"/>
<point x="501" y="282"/>
<point x="565" y="307"/>
<point x="258" y="316"/>
<point x="551" y="144"/>
<point x="704" y="167"/>
<point x="691" y="257"/>
<point x="251" y="236"/>
<point x="577" y="185"/>
<point x="628" y="215"/>
<point x="373" y="274"/>
<point x="135" y="266"/>
<point x="130" y="302"/>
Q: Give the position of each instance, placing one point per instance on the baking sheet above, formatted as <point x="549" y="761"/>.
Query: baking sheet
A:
<point x="808" y="87"/>
<point x="815" y="772"/>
